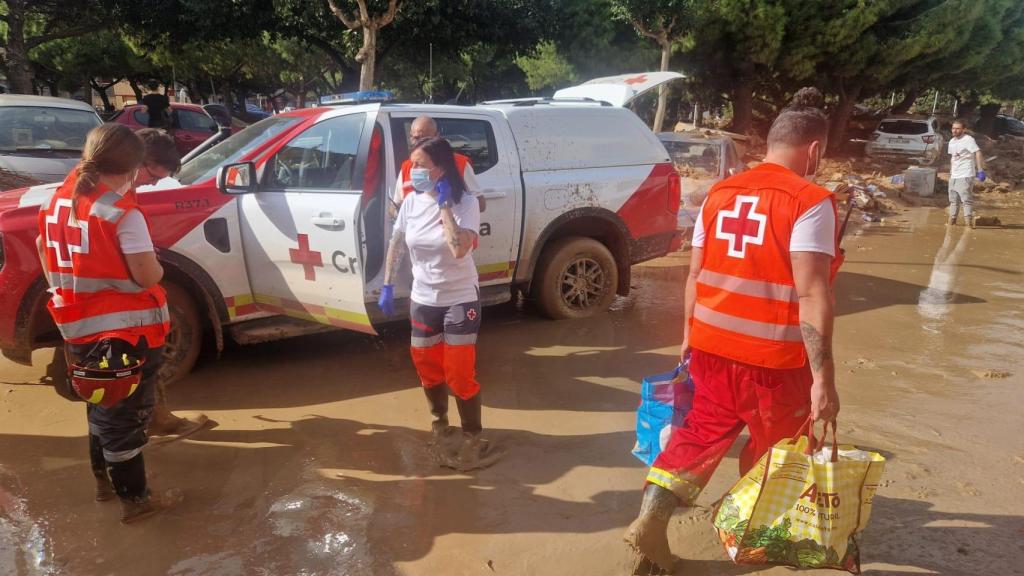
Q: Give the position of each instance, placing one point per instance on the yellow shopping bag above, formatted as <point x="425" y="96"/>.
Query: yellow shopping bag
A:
<point x="801" y="508"/>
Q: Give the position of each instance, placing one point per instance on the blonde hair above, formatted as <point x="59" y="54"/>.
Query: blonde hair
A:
<point x="110" y="149"/>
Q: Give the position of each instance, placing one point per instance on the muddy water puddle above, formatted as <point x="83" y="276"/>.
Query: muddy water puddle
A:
<point x="320" y="465"/>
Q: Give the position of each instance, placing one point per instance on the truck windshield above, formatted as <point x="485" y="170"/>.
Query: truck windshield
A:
<point x="234" y="149"/>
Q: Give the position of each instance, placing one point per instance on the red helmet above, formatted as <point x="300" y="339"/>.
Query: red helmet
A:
<point x="104" y="378"/>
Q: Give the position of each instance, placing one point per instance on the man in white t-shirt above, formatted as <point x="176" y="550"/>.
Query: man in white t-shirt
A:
<point x="966" y="163"/>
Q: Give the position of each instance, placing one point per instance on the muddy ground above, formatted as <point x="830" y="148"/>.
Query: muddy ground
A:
<point x="319" y="463"/>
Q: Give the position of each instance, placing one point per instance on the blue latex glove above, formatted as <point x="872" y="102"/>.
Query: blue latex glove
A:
<point x="387" y="300"/>
<point x="444" y="192"/>
<point x="981" y="175"/>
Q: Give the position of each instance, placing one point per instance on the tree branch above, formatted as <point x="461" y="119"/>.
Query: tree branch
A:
<point x="69" y="33"/>
<point x="364" y="12"/>
<point x="340" y="15"/>
<point x="389" y="16"/>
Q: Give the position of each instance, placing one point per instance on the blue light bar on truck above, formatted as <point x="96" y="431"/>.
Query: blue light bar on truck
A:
<point x="365" y="97"/>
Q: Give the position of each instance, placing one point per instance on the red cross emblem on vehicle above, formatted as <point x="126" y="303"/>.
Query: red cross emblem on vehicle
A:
<point x="66" y="240"/>
<point x="309" y="259"/>
<point x="741" y="226"/>
<point x="636" y="79"/>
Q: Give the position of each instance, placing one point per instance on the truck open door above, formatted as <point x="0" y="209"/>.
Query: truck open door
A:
<point x="301" y="225"/>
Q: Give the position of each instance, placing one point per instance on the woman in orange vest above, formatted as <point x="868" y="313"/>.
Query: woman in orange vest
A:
<point x="99" y="260"/>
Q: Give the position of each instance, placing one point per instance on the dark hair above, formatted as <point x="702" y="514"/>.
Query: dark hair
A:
<point x="109" y="149"/>
<point x="152" y="85"/>
<point x="802" y="122"/>
<point x="441" y="154"/>
<point x="160" y="148"/>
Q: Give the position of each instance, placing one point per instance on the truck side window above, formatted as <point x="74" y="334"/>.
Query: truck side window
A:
<point x="471" y="138"/>
<point x="323" y="157"/>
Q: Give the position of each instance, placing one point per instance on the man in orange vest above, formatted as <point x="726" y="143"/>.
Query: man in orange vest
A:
<point x="424" y="127"/>
<point x="758" y="321"/>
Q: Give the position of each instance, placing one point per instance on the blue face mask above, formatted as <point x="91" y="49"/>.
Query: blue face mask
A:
<point x="421" y="180"/>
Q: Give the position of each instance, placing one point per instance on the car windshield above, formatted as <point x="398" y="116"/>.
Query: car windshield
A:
<point x="233" y="149"/>
<point x="698" y="160"/>
<point x="903" y="127"/>
<point x="38" y="128"/>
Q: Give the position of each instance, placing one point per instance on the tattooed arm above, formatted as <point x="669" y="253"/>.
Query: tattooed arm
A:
<point x="460" y="240"/>
<point x="810" y="275"/>
<point x="396" y="253"/>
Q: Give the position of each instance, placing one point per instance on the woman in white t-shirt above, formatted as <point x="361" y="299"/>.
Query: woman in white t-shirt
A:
<point x="438" y="227"/>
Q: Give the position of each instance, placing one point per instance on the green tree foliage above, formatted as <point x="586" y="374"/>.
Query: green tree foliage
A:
<point x="97" y="60"/>
<point x="545" y="67"/>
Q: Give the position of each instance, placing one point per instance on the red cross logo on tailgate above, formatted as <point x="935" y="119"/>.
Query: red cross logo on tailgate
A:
<point x="308" y="258"/>
<point x="66" y="240"/>
<point x="636" y="80"/>
<point x="741" y="226"/>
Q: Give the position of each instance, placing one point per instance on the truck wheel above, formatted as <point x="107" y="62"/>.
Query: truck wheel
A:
<point x="184" y="342"/>
<point x="576" y="278"/>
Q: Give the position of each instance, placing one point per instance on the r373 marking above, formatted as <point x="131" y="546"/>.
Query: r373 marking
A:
<point x="190" y="204"/>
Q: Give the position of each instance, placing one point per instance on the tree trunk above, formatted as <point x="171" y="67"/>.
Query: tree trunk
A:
<point x="986" y="123"/>
<point x="659" y="115"/>
<point x="909" y="97"/>
<point x="102" y="91"/>
<point x="134" y="83"/>
<point x="742" y="107"/>
<point x="848" y="96"/>
<point x="368" y="58"/>
<point x="698" y="113"/>
<point x="19" y="70"/>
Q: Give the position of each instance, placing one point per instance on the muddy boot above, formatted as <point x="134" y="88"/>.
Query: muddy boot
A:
<point x="437" y="399"/>
<point x="165" y="423"/>
<point x="142" y="507"/>
<point x="475" y="452"/>
<point x="104" y="489"/>
<point x="648" y="534"/>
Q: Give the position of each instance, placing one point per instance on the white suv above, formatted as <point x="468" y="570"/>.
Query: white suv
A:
<point x="907" y="137"/>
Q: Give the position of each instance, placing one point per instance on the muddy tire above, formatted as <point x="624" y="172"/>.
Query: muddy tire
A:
<point x="576" y="278"/>
<point x="185" y="341"/>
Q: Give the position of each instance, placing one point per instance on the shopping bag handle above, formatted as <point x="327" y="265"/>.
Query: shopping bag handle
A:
<point x="682" y="371"/>
<point x="812" y="443"/>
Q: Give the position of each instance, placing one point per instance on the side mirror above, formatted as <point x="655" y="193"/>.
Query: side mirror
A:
<point x="237" y="178"/>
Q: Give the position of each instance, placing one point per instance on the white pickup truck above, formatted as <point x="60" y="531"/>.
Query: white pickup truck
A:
<point x="282" y="228"/>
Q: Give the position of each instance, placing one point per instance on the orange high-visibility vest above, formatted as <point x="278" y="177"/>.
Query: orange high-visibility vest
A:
<point x="747" y="307"/>
<point x="93" y="294"/>
<point x="407" y="188"/>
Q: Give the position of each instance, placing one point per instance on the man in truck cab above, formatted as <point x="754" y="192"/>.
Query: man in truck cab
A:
<point x="423" y="128"/>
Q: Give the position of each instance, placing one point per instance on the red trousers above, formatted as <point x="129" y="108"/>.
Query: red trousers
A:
<point x="728" y="395"/>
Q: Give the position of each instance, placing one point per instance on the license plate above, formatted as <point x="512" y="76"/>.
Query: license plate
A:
<point x="899" y="140"/>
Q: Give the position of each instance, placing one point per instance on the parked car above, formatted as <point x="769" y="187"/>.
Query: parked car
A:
<point x="219" y="113"/>
<point x="1008" y="125"/>
<point x="701" y="161"/>
<point x="42" y="137"/>
<point x="913" y="138"/>
<point x="249" y="113"/>
<point x="282" y="229"/>
<point x="191" y="124"/>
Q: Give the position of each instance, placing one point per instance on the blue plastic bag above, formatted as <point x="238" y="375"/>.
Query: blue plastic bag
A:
<point x="665" y="399"/>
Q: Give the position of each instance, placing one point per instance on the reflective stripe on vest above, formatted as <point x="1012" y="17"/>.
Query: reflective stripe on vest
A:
<point x="765" y="330"/>
<point x="113" y="321"/>
<point x="92" y="285"/>
<point x="104" y="207"/>
<point x="755" y="288"/>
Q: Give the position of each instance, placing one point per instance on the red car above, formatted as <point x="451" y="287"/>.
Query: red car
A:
<point x="191" y="124"/>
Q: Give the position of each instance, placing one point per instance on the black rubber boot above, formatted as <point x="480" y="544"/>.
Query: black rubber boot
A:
<point x="129" y="477"/>
<point x="437" y="399"/>
<point x="647" y="536"/>
<point x="469" y="413"/>
<point x="104" y="489"/>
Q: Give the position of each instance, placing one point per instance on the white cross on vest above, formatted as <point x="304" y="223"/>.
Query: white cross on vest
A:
<point x="65" y="241"/>
<point x="741" y="226"/>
